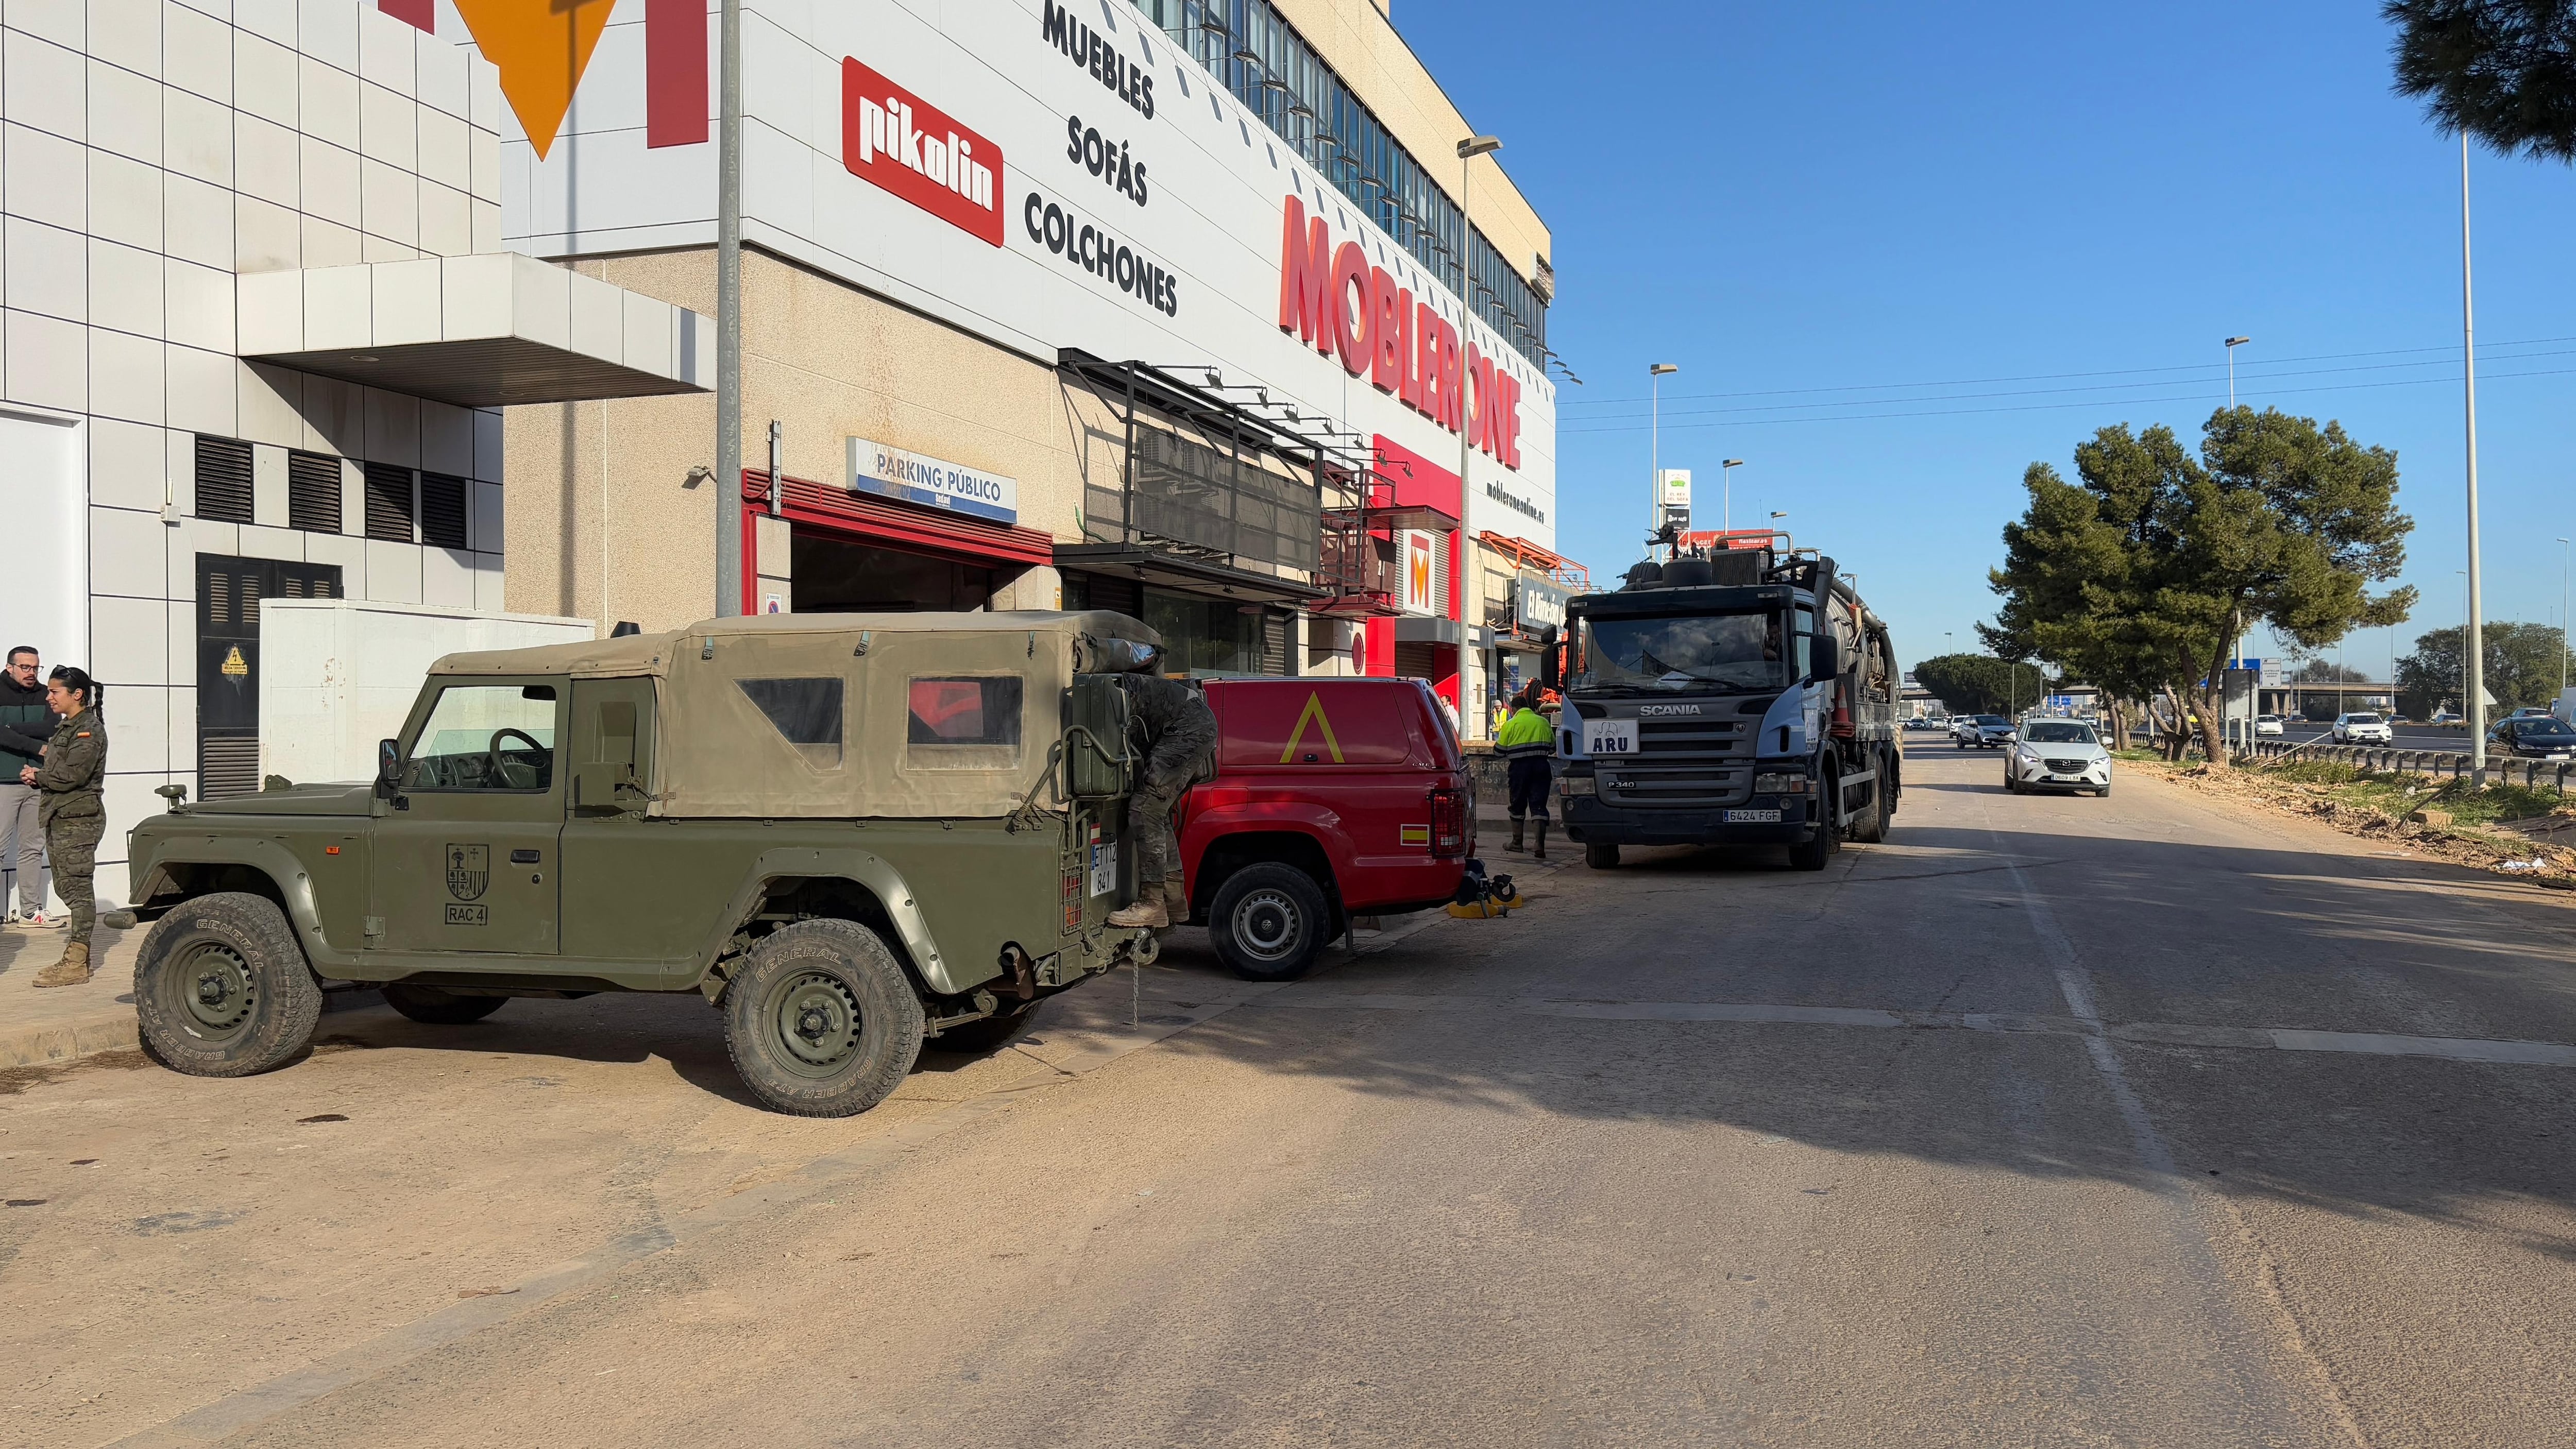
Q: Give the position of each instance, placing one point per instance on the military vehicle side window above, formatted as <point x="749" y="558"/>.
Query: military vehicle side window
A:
<point x="807" y="712"/>
<point x="963" y="722"/>
<point x="487" y="737"/>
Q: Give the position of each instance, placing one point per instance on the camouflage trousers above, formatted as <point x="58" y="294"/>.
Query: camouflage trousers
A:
<point x="72" y="842"/>
<point x="1149" y="828"/>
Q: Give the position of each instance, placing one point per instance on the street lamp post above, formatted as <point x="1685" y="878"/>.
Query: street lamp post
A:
<point x="2477" y="643"/>
<point x="1726" y="492"/>
<point x="2232" y="344"/>
<point x="1655" y="444"/>
<point x="2562" y="618"/>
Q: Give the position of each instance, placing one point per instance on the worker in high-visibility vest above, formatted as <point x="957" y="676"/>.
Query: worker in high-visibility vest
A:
<point x="1527" y="742"/>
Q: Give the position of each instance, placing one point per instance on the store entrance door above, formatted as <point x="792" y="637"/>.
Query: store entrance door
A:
<point x="843" y="576"/>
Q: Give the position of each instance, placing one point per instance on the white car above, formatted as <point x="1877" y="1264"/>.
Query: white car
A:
<point x="1985" y="731"/>
<point x="2266" y="725"/>
<point x="2058" y="754"/>
<point x="2362" y="729"/>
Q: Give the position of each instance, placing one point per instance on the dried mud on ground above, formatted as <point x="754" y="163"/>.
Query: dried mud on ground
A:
<point x="2539" y="849"/>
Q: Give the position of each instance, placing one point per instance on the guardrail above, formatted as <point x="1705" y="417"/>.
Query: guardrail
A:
<point x="2435" y="764"/>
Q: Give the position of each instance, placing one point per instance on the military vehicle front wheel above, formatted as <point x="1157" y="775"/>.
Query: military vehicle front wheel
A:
<point x="1601" y="854"/>
<point x="440" y="1008"/>
<point x="820" y="1020"/>
<point x="1268" y="921"/>
<point x="221" y="988"/>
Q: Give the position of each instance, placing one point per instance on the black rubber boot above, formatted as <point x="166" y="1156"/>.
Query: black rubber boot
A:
<point x="1541" y="852"/>
<point x="1515" y="846"/>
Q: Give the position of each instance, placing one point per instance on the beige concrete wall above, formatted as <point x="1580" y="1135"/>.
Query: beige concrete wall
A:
<point x="1356" y="38"/>
<point x="827" y="361"/>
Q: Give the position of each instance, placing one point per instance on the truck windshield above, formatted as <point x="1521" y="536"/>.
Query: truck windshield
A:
<point x="1740" y="651"/>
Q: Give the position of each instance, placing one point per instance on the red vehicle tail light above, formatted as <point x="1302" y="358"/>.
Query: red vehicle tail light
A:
<point x="1448" y="822"/>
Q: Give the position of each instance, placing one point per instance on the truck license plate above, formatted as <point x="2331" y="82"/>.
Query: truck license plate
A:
<point x="1609" y="737"/>
<point x="1752" y="817"/>
<point x="1104" y="868"/>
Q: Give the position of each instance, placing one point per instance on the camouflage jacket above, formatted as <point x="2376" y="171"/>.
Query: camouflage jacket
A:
<point x="75" y="768"/>
<point x="1178" y="728"/>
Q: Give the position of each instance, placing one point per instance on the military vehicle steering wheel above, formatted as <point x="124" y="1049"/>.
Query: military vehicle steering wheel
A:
<point x="500" y="766"/>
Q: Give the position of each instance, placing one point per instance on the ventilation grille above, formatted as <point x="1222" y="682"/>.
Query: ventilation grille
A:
<point x="442" y="511"/>
<point x="1274" y="644"/>
<point x="313" y="492"/>
<point x="227" y="767"/>
<point x="223" y="480"/>
<point x="388" y="503"/>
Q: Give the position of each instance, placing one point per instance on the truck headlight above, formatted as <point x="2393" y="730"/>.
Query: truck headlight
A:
<point x="1779" y="784"/>
<point x="1573" y="785"/>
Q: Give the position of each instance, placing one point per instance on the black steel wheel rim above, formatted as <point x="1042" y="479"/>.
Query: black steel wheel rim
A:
<point x="211" y="990"/>
<point x="813" y="1016"/>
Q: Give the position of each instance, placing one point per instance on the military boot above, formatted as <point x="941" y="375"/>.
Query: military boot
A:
<point x="72" y="970"/>
<point x="1514" y="845"/>
<point x="1148" y="911"/>
<point x="1541" y="852"/>
<point x="1176" y="902"/>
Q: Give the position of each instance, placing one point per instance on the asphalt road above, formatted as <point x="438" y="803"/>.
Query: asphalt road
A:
<point x="2056" y="1120"/>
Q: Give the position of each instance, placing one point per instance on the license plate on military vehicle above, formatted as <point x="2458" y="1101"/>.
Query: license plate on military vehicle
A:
<point x="1609" y="737"/>
<point x="1104" y="868"/>
<point x="1752" y="817"/>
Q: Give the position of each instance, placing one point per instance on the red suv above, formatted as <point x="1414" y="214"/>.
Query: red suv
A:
<point x="1333" y="798"/>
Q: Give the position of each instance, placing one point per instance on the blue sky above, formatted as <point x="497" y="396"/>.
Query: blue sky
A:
<point x="1796" y="199"/>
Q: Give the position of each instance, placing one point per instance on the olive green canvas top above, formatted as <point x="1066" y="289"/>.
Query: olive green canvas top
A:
<point x="843" y="715"/>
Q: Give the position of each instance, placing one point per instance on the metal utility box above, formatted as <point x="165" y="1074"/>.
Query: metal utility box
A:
<point x="339" y="674"/>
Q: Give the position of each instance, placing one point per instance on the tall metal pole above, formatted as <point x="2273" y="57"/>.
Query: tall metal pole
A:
<point x="2562" y="617"/>
<point x="729" y="321"/>
<point x="2477" y="704"/>
<point x="1655" y="452"/>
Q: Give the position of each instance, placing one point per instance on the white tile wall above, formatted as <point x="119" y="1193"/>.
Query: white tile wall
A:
<point x="44" y="269"/>
<point x="151" y="153"/>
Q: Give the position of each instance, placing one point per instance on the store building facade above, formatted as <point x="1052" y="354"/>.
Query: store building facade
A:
<point x="1143" y="305"/>
<point x="257" y="327"/>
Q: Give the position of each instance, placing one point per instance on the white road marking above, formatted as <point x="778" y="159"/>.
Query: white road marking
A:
<point x="2458" y="1049"/>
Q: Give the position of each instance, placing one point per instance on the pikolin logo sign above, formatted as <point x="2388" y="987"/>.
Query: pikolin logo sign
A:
<point x="905" y="145"/>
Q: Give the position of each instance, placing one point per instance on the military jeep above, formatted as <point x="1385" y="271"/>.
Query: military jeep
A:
<point x="850" y="833"/>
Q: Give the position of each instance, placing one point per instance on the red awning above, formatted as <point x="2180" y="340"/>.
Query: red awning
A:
<point x="900" y="525"/>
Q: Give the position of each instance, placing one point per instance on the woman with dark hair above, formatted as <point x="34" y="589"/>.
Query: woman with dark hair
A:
<point x="72" y="777"/>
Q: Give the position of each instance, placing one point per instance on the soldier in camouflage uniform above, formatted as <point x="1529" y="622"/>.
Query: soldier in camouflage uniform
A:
<point x="72" y="777"/>
<point x="1180" y="751"/>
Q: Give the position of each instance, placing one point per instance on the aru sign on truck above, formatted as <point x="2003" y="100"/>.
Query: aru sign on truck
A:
<point x="1128" y="200"/>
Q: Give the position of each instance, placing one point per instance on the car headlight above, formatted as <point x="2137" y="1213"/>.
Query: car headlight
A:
<point x="1779" y="784"/>
<point x="1573" y="785"/>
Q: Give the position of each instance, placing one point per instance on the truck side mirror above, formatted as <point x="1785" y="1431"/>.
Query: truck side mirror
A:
<point x="1548" y="674"/>
<point x="388" y="768"/>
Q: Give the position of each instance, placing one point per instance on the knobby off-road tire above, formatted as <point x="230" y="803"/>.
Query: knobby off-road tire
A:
<point x="222" y="989"/>
<point x="440" y="1007"/>
<point x="1601" y="854"/>
<point x="1268" y="922"/>
<point x="820" y="1021"/>
<point x="990" y="1034"/>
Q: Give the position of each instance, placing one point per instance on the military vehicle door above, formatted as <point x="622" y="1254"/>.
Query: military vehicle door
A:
<point x="465" y="861"/>
<point x="633" y="890"/>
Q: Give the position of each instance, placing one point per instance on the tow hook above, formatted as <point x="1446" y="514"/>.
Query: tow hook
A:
<point x="1145" y="950"/>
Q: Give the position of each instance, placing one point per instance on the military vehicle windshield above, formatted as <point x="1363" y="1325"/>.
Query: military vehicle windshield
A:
<point x="1735" y="651"/>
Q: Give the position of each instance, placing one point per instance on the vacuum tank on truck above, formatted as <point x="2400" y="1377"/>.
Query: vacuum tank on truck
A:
<point x="1741" y="696"/>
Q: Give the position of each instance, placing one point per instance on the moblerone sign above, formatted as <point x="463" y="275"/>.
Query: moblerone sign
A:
<point x="1332" y="298"/>
<point x="905" y="145"/>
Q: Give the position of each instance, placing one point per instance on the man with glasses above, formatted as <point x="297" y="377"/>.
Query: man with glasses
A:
<point x="25" y="725"/>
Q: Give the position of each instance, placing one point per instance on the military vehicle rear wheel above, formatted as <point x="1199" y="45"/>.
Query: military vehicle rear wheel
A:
<point x="1601" y="854"/>
<point x="989" y="1034"/>
<point x="820" y="1021"/>
<point x="1268" y="921"/>
<point x="438" y="1007"/>
<point x="221" y="988"/>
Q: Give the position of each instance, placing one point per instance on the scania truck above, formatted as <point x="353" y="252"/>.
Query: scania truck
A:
<point x="1741" y="695"/>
